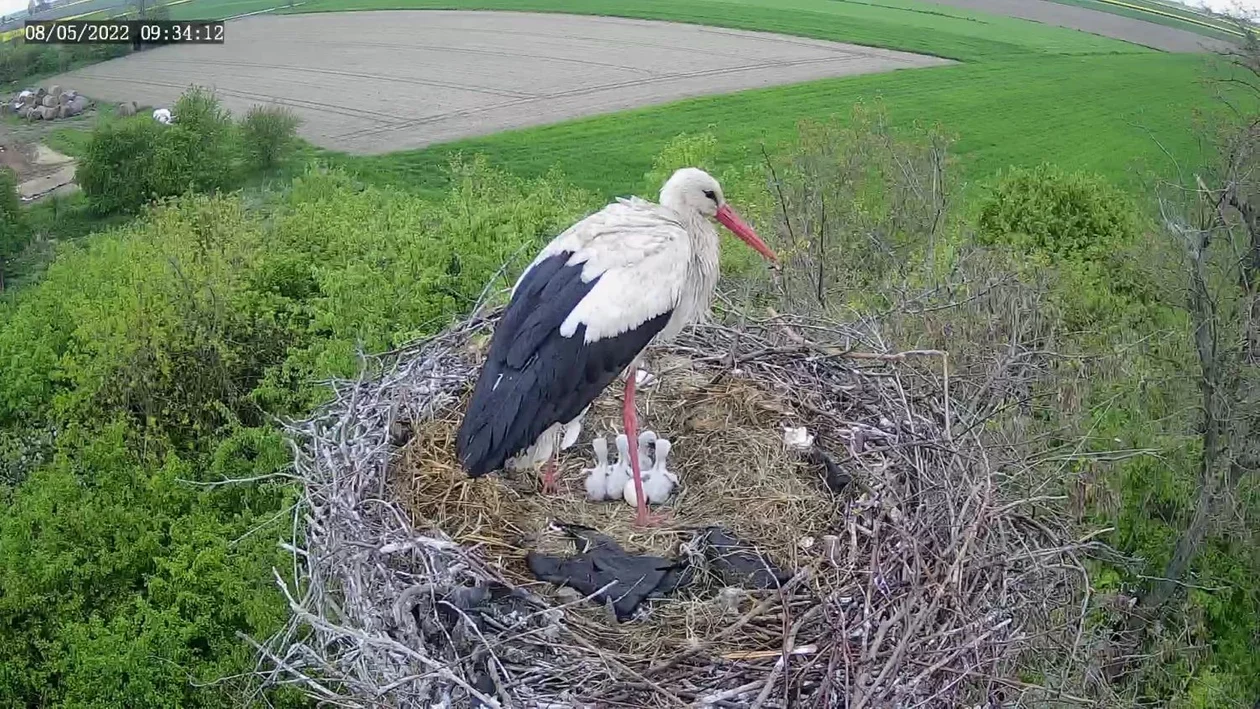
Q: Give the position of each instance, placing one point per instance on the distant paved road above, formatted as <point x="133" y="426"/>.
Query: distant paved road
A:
<point x="1147" y="34"/>
<point x="375" y="82"/>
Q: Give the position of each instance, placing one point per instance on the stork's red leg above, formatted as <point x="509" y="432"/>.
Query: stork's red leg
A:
<point x="632" y="432"/>
<point x="549" y="476"/>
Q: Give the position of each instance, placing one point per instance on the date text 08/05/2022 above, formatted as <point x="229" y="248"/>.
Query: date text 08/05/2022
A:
<point x="134" y="32"/>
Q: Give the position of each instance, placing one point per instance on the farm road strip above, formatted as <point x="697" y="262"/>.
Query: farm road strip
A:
<point x="377" y="82"/>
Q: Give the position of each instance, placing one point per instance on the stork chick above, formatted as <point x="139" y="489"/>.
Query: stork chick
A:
<point x="658" y="482"/>
<point x="663" y="447"/>
<point x="646" y="439"/>
<point x="597" y="477"/>
<point x="619" y="472"/>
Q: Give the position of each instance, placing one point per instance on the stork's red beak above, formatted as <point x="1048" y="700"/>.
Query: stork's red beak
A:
<point x="738" y="227"/>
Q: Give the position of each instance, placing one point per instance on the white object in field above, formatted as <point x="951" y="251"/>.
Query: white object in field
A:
<point x="799" y="439"/>
<point x="162" y="115"/>
<point x="619" y="472"/>
<point x="646" y="439"/>
<point x="658" y="482"/>
<point x="597" y="477"/>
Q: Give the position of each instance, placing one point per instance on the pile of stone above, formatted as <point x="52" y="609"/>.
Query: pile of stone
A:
<point x="45" y="105"/>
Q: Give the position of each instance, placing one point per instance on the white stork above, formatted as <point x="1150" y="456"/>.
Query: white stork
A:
<point x="586" y="308"/>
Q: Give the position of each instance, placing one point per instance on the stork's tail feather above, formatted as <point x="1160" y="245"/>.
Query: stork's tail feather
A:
<point x="493" y="429"/>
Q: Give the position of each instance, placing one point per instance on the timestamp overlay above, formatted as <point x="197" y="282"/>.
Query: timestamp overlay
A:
<point x="134" y="32"/>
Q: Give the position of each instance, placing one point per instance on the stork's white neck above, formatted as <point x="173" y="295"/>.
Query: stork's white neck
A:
<point x="702" y="274"/>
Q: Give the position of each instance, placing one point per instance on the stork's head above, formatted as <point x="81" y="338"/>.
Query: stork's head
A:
<point x="694" y="191"/>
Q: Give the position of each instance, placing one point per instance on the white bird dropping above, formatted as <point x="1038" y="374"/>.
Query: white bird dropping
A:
<point x="799" y="439"/>
<point x="619" y="472"/>
<point x="597" y="477"/>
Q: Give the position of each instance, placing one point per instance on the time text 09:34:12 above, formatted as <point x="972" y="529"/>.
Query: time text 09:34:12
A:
<point x="124" y="32"/>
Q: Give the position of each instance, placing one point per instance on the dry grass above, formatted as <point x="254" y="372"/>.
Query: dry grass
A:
<point x="733" y="467"/>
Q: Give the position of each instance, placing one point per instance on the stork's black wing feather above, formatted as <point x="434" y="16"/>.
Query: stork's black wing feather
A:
<point x="534" y="376"/>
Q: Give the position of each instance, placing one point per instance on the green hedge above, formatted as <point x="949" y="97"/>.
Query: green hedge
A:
<point x="20" y="61"/>
<point x="269" y="135"/>
<point x="130" y="162"/>
<point x="152" y="355"/>
<point x="1046" y="210"/>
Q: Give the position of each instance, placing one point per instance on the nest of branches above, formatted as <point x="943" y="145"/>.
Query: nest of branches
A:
<point x="926" y="581"/>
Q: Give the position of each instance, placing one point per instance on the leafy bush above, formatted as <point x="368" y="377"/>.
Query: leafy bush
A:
<point x="1051" y="212"/>
<point x="269" y="135"/>
<point x="199" y="152"/>
<point x="685" y="150"/>
<point x="20" y="61"/>
<point x="153" y="355"/>
<point x="131" y="162"/>
<point x="137" y="352"/>
<point x="119" y="166"/>
<point x="857" y="205"/>
<point x="13" y="232"/>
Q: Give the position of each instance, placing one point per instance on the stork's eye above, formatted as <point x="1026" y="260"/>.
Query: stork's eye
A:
<point x="711" y="195"/>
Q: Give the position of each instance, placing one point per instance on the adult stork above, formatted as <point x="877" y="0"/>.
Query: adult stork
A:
<point x="585" y="309"/>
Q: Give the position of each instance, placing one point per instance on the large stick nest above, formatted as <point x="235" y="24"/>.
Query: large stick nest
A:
<point x="925" y="583"/>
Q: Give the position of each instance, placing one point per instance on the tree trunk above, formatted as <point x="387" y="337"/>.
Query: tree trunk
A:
<point x="1212" y="375"/>
<point x="1187" y="548"/>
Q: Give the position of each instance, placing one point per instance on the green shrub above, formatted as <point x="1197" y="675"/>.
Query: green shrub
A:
<point x="154" y="354"/>
<point x="199" y="151"/>
<point x="685" y="150"/>
<point x="138" y="349"/>
<point x="269" y="135"/>
<point x="131" y="162"/>
<point x="119" y="166"/>
<point x="379" y="267"/>
<point x="12" y="224"/>
<point x="1050" y="212"/>
<point x="20" y="61"/>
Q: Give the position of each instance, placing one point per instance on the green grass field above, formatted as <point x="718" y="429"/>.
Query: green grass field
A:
<point x="894" y="24"/>
<point x="1081" y="112"/>
<point x="1161" y="13"/>
<point x="1023" y="93"/>
<point x="219" y="9"/>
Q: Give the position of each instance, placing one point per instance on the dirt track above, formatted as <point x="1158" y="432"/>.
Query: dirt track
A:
<point x="375" y="82"/>
<point x="1147" y="34"/>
